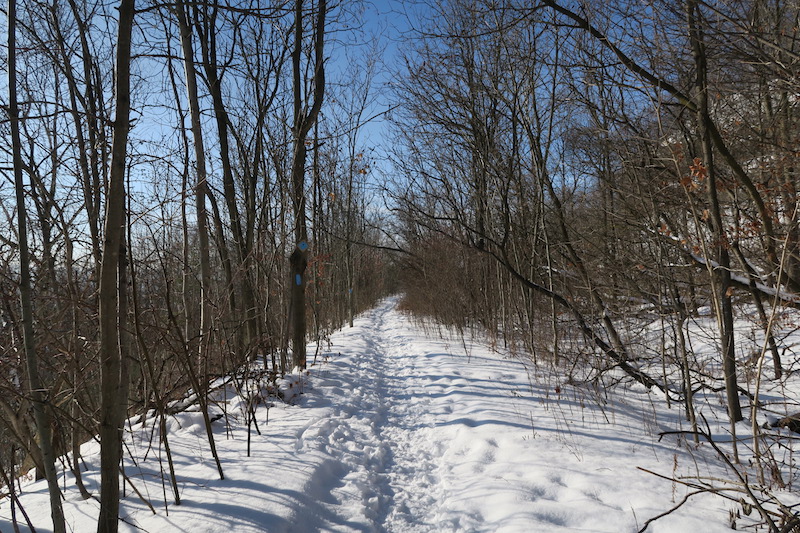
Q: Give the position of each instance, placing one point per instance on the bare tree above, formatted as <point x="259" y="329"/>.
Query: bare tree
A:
<point x="114" y="398"/>
<point x="307" y="106"/>
<point x="36" y="388"/>
<point x="201" y="193"/>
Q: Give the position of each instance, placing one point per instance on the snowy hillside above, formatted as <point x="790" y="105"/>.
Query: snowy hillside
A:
<point x="402" y="429"/>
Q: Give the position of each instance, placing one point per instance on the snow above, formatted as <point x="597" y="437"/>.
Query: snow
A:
<point x="400" y="427"/>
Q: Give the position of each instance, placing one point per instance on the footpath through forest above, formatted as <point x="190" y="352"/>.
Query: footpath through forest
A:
<point x="401" y="428"/>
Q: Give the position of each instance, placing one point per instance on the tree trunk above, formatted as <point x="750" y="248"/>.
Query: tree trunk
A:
<point x="304" y="118"/>
<point x="35" y="386"/>
<point x="111" y="321"/>
<point x="722" y="274"/>
<point x="89" y="157"/>
<point x="201" y="191"/>
<point x="242" y="243"/>
<point x="76" y="345"/>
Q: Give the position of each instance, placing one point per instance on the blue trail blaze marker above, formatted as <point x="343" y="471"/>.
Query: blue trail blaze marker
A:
<point x="303" y="246"/>
<point x="298" y="279"/>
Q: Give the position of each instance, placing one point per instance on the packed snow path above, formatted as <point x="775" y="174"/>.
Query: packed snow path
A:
<point x="428" y="433"/>
<point x="401" y="428"/>
<point x="388" y="432"/>
<point x="382" y="433"/>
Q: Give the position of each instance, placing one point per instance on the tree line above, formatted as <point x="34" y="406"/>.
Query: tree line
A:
<point x="186" y="191"/>
<point x="593" y="176"/>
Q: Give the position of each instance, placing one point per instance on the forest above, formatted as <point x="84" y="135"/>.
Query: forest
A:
<point x="195" y="187"/>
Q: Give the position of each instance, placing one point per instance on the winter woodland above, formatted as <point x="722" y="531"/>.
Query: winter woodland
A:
<point x="424" y="265"/>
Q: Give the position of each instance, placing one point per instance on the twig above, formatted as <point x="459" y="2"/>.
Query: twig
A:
<point x="14" y="498"/>
<point x="675" y="508"/>
<point x="756" y="502"/>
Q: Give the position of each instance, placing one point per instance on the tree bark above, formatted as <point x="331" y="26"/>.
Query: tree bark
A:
<point x="304" y="118"/>
<point x="111" y="320"/>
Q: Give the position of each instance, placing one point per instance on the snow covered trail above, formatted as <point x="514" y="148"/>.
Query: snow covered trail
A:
<point x="399" y="429"/>
<point x="383" y="430"/>
<point x="429" y="434"/>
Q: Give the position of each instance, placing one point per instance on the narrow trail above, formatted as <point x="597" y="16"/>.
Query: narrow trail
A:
<point x="380" y="435"/>
<point x="409" y="432"/>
